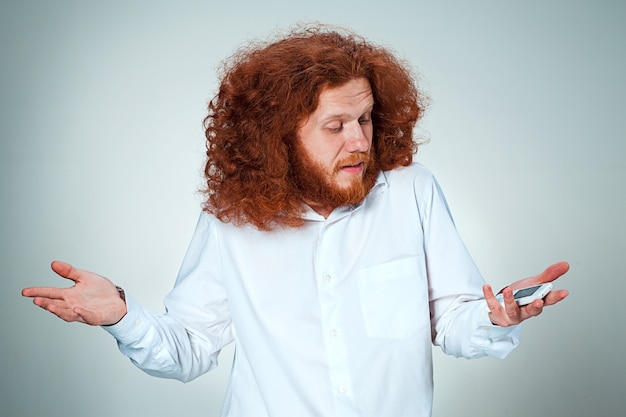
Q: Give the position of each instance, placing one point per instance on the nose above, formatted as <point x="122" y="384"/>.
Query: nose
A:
<point x="357" y="139"/>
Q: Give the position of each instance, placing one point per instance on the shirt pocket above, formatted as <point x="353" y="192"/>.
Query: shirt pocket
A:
<point x="393" y="298"/>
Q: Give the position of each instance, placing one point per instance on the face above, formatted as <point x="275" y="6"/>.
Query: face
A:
<point x="334" y="165"/>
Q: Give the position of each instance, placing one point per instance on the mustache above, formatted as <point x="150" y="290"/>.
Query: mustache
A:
<point x="353" y="159"/>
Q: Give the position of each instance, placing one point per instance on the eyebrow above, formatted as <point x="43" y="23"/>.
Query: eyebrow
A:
<point x="369" y="109"/>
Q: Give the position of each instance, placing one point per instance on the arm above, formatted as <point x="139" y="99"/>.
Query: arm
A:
<point x="463" y="323"/>
<point x="459" y="317"/>
<point x="182" y="344"/>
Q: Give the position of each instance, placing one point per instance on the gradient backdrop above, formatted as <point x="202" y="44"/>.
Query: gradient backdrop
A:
<point x="102" y="149"/>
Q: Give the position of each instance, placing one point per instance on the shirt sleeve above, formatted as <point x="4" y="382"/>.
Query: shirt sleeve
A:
<point x="459" y="314"/>
<point x="184" y="342"/>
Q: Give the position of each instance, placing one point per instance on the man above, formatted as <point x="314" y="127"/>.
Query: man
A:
<point x="323" y="252"/>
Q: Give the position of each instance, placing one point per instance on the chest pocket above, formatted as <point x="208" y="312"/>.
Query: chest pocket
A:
<point x="394" y="298"/>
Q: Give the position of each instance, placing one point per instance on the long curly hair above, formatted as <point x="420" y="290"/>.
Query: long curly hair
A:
<point x="267" y="90"/>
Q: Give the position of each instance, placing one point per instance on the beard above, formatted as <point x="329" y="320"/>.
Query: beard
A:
<point x="317" y="186"/>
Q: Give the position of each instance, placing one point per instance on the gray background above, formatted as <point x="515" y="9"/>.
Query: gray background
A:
<point x="102" y="150"/>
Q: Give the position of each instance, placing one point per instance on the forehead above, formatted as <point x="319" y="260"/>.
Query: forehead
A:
<point x="355" y="95"/>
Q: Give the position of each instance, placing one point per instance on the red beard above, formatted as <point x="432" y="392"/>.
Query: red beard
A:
<point x="318" y="187"/>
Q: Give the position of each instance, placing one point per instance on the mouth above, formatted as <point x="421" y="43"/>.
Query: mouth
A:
<point x="355" y="168"/>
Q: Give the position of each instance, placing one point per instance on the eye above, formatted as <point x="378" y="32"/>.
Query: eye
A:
<point x="365" y="119"/>
<point x="335" y="127"/>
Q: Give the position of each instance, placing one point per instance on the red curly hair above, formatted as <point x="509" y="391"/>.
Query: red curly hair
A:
<point x="266" y="91"/>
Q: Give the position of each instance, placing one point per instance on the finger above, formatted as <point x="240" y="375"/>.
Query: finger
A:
<point x="46" y="303"/>
<point x="58" y="308"/>
<point x="44" y="292"/>
<point x="496" y="312"/>
<point x="490" y="298"/>
<point x="533" y="309"/>
<point x="511" y="308"/>
<point x="548" y="275"/>
<point x="66" y="270"/>
<point x="553" y="272"/>
<point x="555" y="296"/>
<point x="82" y="313"/>
<point x="88" y="316"/>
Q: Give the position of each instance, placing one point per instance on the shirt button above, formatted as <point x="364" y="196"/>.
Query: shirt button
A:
<point x="343" y="388"/>
<point x="334" y="333"/>
<point x="137" y="322"/>
<point x="327" y="278"/>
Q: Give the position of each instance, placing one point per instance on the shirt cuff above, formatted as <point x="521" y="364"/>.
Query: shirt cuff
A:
<point x="133" y="326"/>
<point x="493" y="340"/>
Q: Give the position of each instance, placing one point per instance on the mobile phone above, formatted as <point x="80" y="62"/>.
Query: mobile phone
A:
<point x="527" y="295"/>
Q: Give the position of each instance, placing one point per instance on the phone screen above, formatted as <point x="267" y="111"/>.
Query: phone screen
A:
<point x="525" y="292"/>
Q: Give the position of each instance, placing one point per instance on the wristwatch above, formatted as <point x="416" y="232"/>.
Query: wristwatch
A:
<point x="120" y="290"/>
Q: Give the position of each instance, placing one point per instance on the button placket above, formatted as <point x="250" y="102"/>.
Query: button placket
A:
<point x="331" y="309"/>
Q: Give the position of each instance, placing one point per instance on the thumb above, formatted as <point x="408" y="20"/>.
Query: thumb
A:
<point x="65" y="270"/>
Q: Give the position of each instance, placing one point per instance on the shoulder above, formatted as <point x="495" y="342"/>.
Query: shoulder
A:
<point x="416" y="176"/>
<point x="414" y="186"/>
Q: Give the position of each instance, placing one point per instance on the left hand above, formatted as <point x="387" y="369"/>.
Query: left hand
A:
<point x="511" y="314"/>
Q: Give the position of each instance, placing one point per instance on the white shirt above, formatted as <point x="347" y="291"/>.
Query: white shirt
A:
<point x="336" y="318"/>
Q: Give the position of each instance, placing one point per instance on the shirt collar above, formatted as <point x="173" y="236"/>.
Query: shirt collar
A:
<point x="380" y="186"/>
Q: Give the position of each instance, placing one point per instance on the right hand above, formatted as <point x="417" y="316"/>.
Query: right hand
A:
<point x="93" y="299"/>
